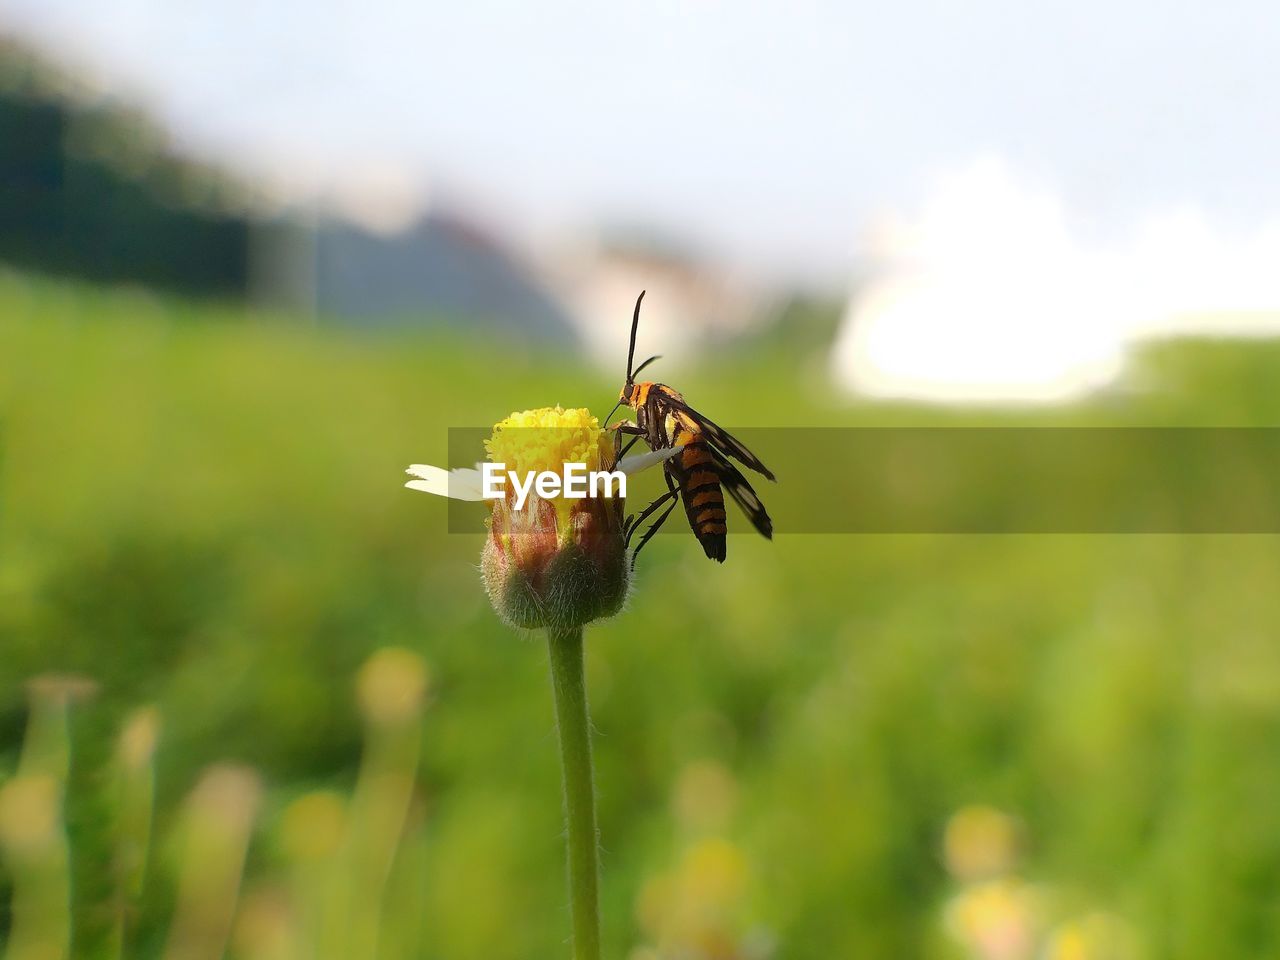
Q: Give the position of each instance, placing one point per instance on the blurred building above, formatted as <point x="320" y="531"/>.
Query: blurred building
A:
<point x="443" y="267"/>
<point x="690" y="302"/>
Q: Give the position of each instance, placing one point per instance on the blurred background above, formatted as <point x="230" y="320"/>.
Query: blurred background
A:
<point x="255" y="259"/>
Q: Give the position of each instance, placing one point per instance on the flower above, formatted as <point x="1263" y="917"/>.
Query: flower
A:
<point x="391" y="687"/>
<point x="29" y="807"/>
<point x="556" y="561"/>
<point x="137" y="744"/>
<point x="996" y="919"/>
<point x="698" y="908"/>
<point x="980" y="842"/>
<point x="1096" y="936"/>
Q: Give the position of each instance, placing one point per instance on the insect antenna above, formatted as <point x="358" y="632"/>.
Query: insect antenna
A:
<point x="631" y="354"/>
<point x="635" y="325"/>
<point x="635" y="373"/>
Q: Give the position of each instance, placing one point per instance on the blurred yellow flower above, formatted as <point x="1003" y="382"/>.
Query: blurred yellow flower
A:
<point x="391" y="686"/>
<point x="63" y="688"/>
<point x="996" y="920"/>
<point x="716" y="870"/>
<point x="980" y="842"/>
<point x="704" y="796"/>
<point x="266" y="927"/>
<point x="313" y="826"/>
<point x="30" y="812"/>
<point x="1097" y="936"/>
<point x="138" y="738"/>
<point x="695" y="907"/>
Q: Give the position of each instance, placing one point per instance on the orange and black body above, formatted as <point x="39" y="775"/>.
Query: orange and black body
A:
<point x="700" y="473"/>
<point x="699" y="482"/>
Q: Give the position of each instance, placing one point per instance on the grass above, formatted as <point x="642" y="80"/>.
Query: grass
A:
<point x="201" y="509"/>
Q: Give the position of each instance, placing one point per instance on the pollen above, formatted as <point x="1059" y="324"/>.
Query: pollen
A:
<point x="548" y="438"/>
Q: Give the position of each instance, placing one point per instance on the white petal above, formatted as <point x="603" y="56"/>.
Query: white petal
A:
<point x="643" y="461"/>
<point x="460" y="484"/>
<point x="466" y="484"/>
<point x="427" y="486"/>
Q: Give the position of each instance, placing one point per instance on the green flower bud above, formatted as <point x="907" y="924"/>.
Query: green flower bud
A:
<point x="538" y="574"/>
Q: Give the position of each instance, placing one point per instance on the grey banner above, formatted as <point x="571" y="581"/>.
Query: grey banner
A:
<point x="990" y="480"/>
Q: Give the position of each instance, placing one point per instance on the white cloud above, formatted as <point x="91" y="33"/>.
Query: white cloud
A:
<point x="989" y="293"/>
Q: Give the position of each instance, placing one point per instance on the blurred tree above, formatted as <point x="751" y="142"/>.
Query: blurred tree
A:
<point x="88" y="190"/>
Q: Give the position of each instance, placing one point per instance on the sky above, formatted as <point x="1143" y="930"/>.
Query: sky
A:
<point x="1015" y="193"/>
<point x="772" y="135"/>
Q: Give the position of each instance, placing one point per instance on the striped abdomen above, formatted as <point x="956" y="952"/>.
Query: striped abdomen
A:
<point x="699" y="481"/>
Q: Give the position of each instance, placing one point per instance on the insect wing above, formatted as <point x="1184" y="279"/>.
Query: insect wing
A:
<point x="736" y="485"/>
<point x="725" y="442"/>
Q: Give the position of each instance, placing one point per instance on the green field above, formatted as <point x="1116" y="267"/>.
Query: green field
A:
<point x="202" y="510"/>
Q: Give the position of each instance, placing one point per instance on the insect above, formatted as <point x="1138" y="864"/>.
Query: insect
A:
<point x="698" y="475"/>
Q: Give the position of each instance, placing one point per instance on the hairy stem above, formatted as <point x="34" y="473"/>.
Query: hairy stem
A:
<point x="570" y="690"/>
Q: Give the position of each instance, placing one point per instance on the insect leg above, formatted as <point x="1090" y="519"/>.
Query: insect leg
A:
<point x="633" y="523"/>
<point x="624" y="427"/>
<point x="656" y="525"/>
<point x="673" y="492"/>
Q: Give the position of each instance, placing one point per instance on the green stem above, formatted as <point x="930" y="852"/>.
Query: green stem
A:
<point x="573" y="725"/>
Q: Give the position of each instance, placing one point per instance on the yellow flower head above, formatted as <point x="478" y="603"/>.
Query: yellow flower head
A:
<point x="548" y="438"/>
<point x="558" y="561"/>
